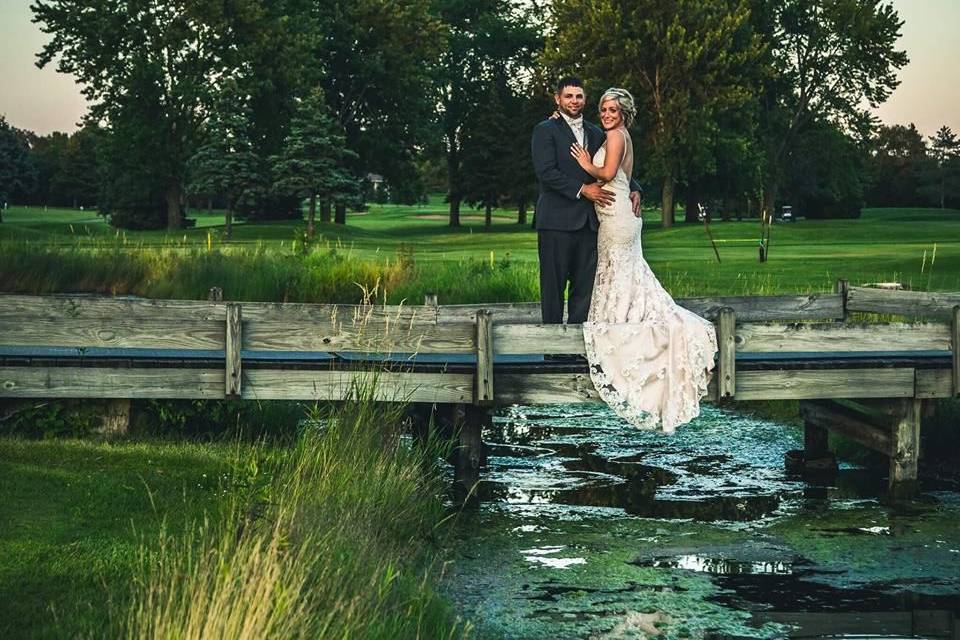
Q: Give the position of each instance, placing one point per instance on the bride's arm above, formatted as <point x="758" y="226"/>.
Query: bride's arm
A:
<point x="611" y="161"/>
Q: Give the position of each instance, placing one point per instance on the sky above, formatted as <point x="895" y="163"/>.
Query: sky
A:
<point x="43" y="100"/>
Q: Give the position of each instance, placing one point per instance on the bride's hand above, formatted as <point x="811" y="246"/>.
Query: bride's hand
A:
<point x="581" y="156"/>
<point x="554" y="115"/>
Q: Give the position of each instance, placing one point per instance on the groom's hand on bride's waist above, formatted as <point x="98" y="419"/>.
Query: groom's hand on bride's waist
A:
<point x="597" y="194"/>
<point x="636" y="199"/>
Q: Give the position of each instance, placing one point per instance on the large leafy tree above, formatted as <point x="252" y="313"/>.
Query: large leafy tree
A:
<point x="897" y="161"/>
<point x="482" y="78"/>
<point x="311" y="164"/>
<point x="686" y="61"/>
<point x="830" y="59"/>
<point x="152" y="69"/>
<point x="17" y="171"/>
<point x="372" y="59"/>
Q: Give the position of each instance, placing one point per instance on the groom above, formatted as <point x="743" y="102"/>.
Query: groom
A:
<point x="566" y="219"/>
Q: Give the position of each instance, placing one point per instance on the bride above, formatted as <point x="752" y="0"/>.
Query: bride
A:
<point x="650" y="359"/>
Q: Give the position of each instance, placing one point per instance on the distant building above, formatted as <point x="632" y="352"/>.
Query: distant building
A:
<point x="375" y="180"/>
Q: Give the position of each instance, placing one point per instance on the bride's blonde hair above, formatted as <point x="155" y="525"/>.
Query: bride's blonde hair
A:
<point x="627" y="106"/>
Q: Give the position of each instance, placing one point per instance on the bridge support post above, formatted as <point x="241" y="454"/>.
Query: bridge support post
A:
<point x="470" y="420"/>
<point x="905" y="448"/>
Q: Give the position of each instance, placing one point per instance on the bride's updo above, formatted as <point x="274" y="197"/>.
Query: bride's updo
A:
<point x="627" y="106"/>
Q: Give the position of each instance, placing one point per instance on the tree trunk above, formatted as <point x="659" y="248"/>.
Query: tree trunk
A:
<point x="769" y="202"/>
<point x="454" y="211"/>
<point x="312" y="217"/>
<point x="340" y="213"/>
<point x="669" y="184"/>
<point x="228" y="222"/>
<point x="692" y="200"/>
<point x="488" y="217"/>
<point x="522" y="211"/>
<point x="325" y="211"/>
<point x="174" y="196"/>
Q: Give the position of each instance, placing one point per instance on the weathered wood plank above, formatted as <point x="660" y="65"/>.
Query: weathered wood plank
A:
<point x="845" y="422"/>
<point x="918" y="304"/>
<point x="727" y="358"/>
<point x="538" y="338"/>
<point x="779" y="338"/>
<point x="934" y="383"/>
<point x="843" y="290"/>
<point x="60" y="307"/>
<point x="815" y="306"/>
<point x="232" y="351"/>
<point x="484" y="392"/>
<point x="376" y="337"/>
<point x="118" y="332"/>
<point x="74" y="306"/>
<point x="545" y="388"/>
<point x="503" y="313"/>
<point x="96" y="382"/>
<point x="905" y="447"/>
<point x="811" y="384"/>
<point x="278" y="384"/>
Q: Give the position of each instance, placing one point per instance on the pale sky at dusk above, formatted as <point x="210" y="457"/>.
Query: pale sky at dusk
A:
<point x="929" y="95"/>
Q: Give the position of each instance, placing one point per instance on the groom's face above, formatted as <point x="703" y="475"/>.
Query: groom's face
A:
<point x="570" y="100"/>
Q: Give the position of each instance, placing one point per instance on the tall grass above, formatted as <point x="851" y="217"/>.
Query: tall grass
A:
<point x="256" y="274"/>
<point x="331" y="539"/>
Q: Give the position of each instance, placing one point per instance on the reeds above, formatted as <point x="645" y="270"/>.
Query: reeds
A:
<point x="329" y="538"/>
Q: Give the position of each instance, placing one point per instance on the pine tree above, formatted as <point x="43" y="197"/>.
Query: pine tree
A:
<point x="311" y="164"/>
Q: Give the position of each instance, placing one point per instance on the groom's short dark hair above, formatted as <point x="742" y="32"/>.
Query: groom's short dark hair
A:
<point x="569" y="81"/>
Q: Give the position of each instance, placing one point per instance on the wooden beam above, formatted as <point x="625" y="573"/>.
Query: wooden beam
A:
<point x="843" y="290"/>
<point x="934" y="383"/>
<point x="816" y="306"/>
<point x="538" y="338"/>
<point x="484" y="392"/>
<point x="838" y="383"/>
<point x="280" y="384"/>
<point x="102" y="382"/>
<point x="847" y="423"/>
<point x="375" y="337"/>
<point x="780" y="338"/>
<point x="915" y="304"/>
<point x="545" y="388"/>
<point x="116" y="418"/>
<point x="727" y="363"/>
<point x="955" y="348"/>
<point x="61" y="307"/>
<point x="905" y="447"/>
<point x="117" y="332"/>
<point x="232" y="351"/>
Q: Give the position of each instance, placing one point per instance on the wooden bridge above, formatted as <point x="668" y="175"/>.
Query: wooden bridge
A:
<point x="854" y="374"/>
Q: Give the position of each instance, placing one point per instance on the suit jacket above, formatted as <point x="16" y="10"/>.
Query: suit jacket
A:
<point x="561" y="177"/>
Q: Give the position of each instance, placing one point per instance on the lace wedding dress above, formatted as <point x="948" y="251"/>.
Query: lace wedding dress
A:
<point x="650" y="359"/>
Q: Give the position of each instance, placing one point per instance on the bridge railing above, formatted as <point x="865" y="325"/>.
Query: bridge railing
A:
<point x="199" y="349"/>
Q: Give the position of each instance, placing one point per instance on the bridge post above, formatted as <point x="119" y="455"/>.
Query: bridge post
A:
<point x="727" y="357"/>
<point x="955" y="348"/>
<point x="843" y="288"/>
<point x="905" y="448"/>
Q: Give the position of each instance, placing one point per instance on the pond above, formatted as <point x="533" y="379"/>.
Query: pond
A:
<point x="588" y="529"/>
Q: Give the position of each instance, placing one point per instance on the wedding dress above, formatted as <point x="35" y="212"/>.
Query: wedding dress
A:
<point x="650" y="359"/>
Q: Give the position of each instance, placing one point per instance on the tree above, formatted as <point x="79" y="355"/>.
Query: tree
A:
<point x="827" y="176"/>
<point x="372" y="60"/>
<point x="490" y="45"/>
<point x="226" y="163"/>
<point x="157" y="64"/>
<point x="942" y="176"/>
<point x="685" y="60"/>
<point x="17" y="172"/>
<point x="896" y="163"/>
<point x="311" y="164"/>
<point x="830" y="58"/>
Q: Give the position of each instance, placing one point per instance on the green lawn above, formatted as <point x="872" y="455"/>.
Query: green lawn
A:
<point x="883" y="245"/>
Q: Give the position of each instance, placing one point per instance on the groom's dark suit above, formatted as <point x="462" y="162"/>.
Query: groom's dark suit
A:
<point x="566" y="224"/>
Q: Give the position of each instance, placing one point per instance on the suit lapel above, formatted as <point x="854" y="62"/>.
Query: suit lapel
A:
<point x="566" y="129"/>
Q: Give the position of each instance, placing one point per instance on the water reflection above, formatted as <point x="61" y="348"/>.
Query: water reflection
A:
<point x="590" y="529"/>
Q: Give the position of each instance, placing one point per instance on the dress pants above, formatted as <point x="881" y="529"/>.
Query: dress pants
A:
<point x="566" y="256"/>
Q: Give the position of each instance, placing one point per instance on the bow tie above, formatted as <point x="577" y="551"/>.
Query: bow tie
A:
<point x="577" y="125"/>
